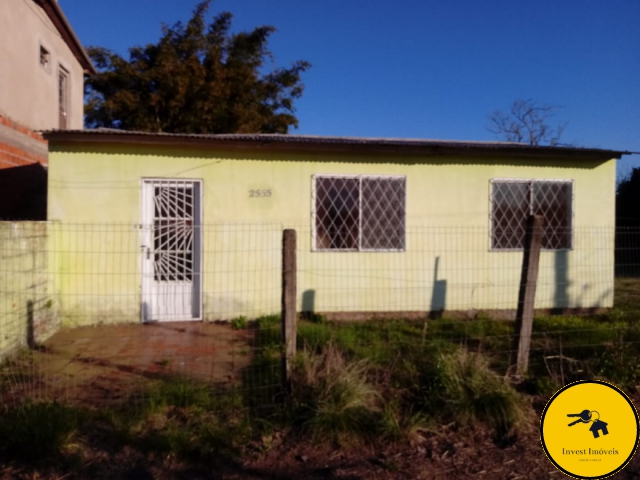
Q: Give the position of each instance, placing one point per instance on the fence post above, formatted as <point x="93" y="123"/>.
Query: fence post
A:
<point x="527" y="294"/>
<point x="288" y="303"/>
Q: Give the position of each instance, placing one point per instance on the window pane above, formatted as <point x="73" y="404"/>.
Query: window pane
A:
<point x="62" y="99"/>
<point x="337" y="213"/>
<point x="509" y="212"/>
<point x="383" y="213"/>
<point x="552" y="200"/>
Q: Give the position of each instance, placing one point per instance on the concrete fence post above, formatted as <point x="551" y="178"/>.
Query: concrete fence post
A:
<point x="527" y="294"/>
<point x="288" y="323"/>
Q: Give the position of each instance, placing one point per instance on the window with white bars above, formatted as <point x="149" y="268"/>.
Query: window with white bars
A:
<point x="359" y="213"/>
<point x="513" y="201"/>
<point x="173" y="245"/>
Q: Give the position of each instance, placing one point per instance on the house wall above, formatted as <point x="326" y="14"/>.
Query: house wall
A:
<point x="23" y="178"/>
<point x="447" y="201"/>
<point x="29" y="93"/>
<point x="23" y="193"/>
<point x="20" y="145"/>
<point x="27" y="311"/>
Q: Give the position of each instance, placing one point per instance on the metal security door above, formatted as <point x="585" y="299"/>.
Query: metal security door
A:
<point x="171" y="250"/>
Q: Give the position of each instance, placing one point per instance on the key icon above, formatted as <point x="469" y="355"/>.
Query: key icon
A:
<point x="584" y="417"/>
<point x="587" y="416"/>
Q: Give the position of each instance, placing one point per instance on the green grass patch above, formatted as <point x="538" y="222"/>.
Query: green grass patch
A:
<point x="267" y="332"/>
<point x="568" y="348"/>
<point x="182" y="418"/>
<point x="179" y="392"/>
<point x="341" y="397"/>
<point x="333" y="398"/>
<point x="262" y="385"/>
<point x="193" y="434"/>
<point x="36" y="432"/>
<point x="468" y="391"/>
<point x="351" y="383"/>
<point x="453" y="370"/>
<point x="627" y="296"/>
<point x="239" y="323"/>
<point x="376" y="341"/>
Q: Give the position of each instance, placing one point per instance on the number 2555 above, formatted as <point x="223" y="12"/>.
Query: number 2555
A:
<point x="260" y="193"/>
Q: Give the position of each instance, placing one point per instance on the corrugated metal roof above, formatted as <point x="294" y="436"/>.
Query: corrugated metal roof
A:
<point x="400" y="145"/>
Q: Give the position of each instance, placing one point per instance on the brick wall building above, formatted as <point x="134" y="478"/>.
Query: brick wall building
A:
<point x="23" y="176"/>
<point x="20" y="145"/>
<point x="41" y="88"/>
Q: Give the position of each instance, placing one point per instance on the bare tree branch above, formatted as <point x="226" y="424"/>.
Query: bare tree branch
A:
<point x="527" y="122"/>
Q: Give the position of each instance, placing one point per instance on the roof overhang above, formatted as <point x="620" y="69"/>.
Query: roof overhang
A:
<point x="57" y="16"/>
<point x="312" y="143"/>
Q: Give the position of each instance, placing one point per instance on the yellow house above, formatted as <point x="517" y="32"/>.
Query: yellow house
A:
<point x="157" y="227"/>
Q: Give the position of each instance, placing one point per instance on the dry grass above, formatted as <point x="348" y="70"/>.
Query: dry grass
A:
<point x="333" y="397"/>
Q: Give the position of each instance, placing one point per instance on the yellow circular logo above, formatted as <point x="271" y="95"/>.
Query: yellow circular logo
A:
<point x="589" y="429"/>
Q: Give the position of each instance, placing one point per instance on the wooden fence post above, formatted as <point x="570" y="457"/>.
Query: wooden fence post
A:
<point x="527" y="294"/>
<point x="288" y="303"/>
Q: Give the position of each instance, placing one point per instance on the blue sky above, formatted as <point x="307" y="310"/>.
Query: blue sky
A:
<point x="421" y="69"/>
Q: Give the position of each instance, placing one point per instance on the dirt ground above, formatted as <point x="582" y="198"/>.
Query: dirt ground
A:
<point x="102" y="365"/>
<point x="438" y="455"/>
<point x="90" y="362"/>
<point x="445" y="456"/>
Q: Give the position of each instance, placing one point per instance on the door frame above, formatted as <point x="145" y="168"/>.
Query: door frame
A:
<point x="198" y="242"/>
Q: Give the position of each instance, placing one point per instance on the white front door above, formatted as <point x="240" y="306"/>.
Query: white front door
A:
<point x="171" y="250"/>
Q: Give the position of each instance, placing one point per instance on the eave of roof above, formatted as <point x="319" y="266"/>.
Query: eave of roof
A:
<point x="57" y="16"/>
<point x="328" y="143"/>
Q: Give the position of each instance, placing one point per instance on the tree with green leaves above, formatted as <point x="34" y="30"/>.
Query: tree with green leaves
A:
<point x="628" y="200"/>
<point x="627" y="224"/>
<point x="198" y="78"/>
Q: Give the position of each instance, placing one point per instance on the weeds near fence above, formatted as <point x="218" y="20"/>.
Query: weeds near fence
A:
<point x="468" y="391"/>
<point x="186" y="419"/>
<point x="34" y="432"/>
<point x="352" y="383"/>
<point x="179" y="417"/>
<point x="333" y="398"/>
<point x="207" y="395"/>
<point x="412" y="377"/>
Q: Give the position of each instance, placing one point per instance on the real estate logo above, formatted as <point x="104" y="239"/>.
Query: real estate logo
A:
<point x="589" y="429"/>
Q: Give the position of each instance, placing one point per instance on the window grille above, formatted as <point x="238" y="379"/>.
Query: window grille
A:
<point x="513" y="201"/>
<point x="173" y="232"/>
<point x="359" y="213"/>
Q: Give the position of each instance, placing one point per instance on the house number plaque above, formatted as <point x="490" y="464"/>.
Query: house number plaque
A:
<point x="260" y="193"/>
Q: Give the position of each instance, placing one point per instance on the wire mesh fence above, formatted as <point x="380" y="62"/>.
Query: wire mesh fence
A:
<point x="101" y="314"/>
